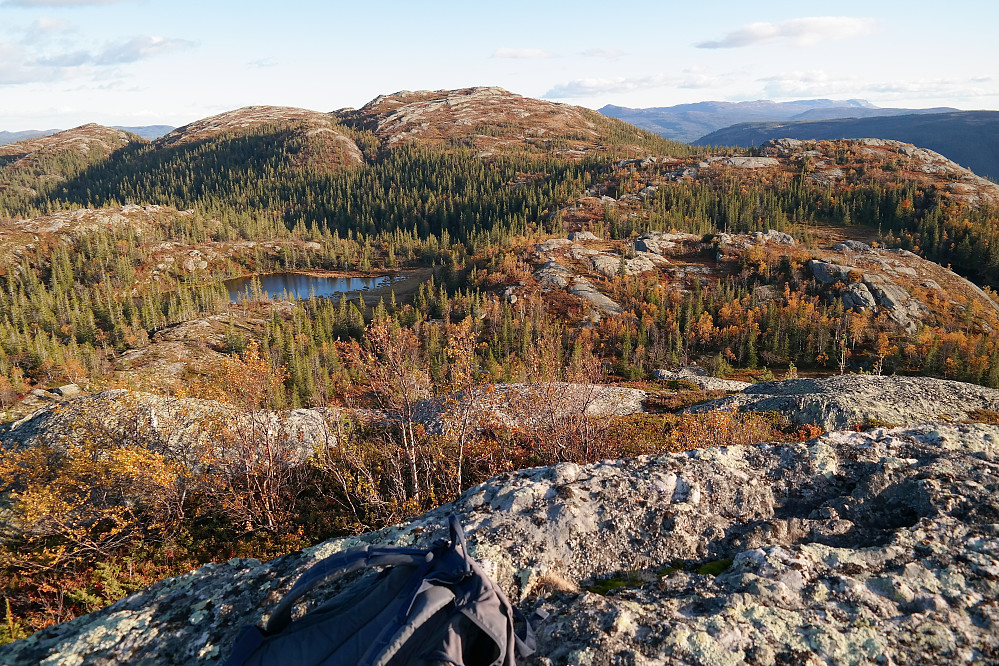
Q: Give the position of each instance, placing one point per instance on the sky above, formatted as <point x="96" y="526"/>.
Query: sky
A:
<point x="144" y="62"/>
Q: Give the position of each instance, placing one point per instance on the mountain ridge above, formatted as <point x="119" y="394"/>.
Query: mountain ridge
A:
<point x="690" y="122"/>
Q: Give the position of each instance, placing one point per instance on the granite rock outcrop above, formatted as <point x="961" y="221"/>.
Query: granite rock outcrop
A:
<point x="853" y="548"/>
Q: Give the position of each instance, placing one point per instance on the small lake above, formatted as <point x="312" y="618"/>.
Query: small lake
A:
<point x="303" y="286"/>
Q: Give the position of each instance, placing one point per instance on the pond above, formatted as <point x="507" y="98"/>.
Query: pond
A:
<point x="302" y="285"/>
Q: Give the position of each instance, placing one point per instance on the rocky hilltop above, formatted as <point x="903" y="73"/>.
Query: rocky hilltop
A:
<point x="491" y="119"/>
<point x="826" y="159"/>
<point x="854" y="548"/>
<point x="324" y="141"/>
<point x="967" y="137"/>
<point x="31" y="165"/>
<point x="83" y="140"/>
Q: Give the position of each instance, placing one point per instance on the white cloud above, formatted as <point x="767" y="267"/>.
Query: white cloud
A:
<point x="44" y="30"/>
<point x="530" y="54"/>
<point x="609" y="54"/>
<point x="15" y="66"/>
<point x="133" y="50"/>
<point x="800" y="32"/>
<point x="818" y="83"/>
<point x="20" y="64"/>
<point x="140" y="48"/>
<point x="689" y="79"/>
<point x="48" y="25"/>
<point x="263" y="63"/>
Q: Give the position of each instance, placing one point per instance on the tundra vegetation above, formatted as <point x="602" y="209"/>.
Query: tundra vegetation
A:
<point x="86" y="520"/>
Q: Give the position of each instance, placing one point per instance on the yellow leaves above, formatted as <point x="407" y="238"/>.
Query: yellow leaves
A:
<point x="704" y="329"/>
<point x="80" y="498"/>
<point x="244" y="380"/>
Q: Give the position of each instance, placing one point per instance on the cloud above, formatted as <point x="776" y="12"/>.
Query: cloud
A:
<point x="693" y="79"/>
<point x="20" y="63"/>
<point x="529" y="54"/>
<point x="800" y="32"/>
<point x="56" y="3"/>
<point x="43" y="30"/>
<point x="46" y="25"/>
<point x="263" y="63"/>
<point x="133" y="50"/>
<point x="15" y="67"/>
<point x="818" y="83"/>
<point x="609" y="54"/>
<point x="140" y="48"/>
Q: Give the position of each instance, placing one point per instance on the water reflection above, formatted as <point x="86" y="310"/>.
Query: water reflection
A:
<point x="302" y="286"/>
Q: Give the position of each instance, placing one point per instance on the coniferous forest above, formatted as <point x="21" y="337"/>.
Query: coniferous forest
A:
<point x="125" y="248"/>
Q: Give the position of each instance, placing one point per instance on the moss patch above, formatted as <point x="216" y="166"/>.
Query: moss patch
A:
<point x="606" y="586"/>
<point x="714" y="568"/>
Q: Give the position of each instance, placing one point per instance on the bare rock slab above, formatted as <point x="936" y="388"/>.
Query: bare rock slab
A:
<point x="846" y="401"/>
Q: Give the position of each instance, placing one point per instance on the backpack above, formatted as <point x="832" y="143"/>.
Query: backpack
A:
<point x="426" y="607"/>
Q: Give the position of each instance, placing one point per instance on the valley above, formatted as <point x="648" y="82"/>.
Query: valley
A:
<point x="500" y="284"/>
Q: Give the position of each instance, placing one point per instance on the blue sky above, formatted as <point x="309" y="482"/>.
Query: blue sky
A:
<point x="140" y="62"/>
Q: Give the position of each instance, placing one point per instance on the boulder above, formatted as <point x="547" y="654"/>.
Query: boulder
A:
<point x="853" y="548"/>
<point x="852" y="245"/>
<point x="751" y="162"/>
<point x="828" y="272"/>
<point x="584" y="289"/>
<point x="67" y="390"/>
<point x="658" y="242"/>
<point x="171" y="426"/>
<point x="700" y="377"/>
<point x="552" y="275"/>
<point x="552" y="244"/>
<point x="583" y="237"/>
<point x="846" y="401"/>
<point x="610" y="265"/>
<point x="900" y="306"/>
<point x="773" y="236"/>
<point x="858" y="297"/>
<point x="537" y="405"/>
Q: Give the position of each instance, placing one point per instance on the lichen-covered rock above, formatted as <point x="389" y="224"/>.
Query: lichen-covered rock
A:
<point x="171" y="426"/>
<point x="700" y="378"/>
<point x="657" y="242"/>
<point x="846" y="401"/>
<point x="858" y="297"/>
<point x="612" y="265"/>
<point x="773" y="236"/>
<point x="517" y="405"/>
<point x="750" y="162"/>
<point x="854" y="548"/>
<point x="584" y="289"/>
<point x="552" y="275"/>
<point x="828" y="272"/>
<point x="900" y="306"/>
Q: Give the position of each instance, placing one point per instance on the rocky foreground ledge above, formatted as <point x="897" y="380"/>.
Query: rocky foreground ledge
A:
<point x="854" y="548"/>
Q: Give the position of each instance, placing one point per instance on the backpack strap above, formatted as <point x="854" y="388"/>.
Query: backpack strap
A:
<point x="458" y="539"/>
<point x="338" y="565"/>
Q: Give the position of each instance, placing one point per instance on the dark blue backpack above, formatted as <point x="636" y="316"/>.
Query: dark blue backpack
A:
<point x="430" y="607"/>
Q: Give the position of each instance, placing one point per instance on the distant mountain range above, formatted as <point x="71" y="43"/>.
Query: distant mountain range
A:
<point x="690" y="122"/>
<point x="970" y="138"/>
<point x="150" y="132"/>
